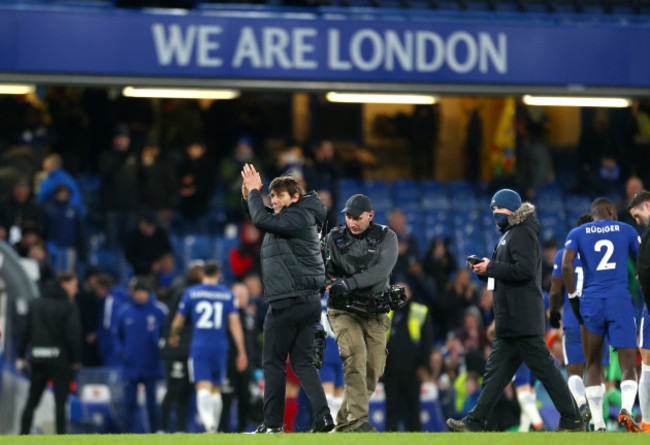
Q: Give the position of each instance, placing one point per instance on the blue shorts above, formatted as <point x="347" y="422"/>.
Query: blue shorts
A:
<point x="644" y="332"/>
<point x="331" y="373"/>
<point x="524" y="376"/>
<point x="611" y="317"/>
<point x="208" y="365"/>
<point x="572" y="347"/>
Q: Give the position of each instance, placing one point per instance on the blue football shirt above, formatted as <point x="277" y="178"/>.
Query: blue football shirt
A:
<point x="604" y="247"/>
<point x="208" y="306"/>
<point x="569" y="319"/>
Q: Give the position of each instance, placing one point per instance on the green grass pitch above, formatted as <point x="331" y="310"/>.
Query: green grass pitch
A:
<point x="337" y="439"/>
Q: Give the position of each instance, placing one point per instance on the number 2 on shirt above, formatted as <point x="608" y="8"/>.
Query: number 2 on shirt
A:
<point x="210" y="315"/>
<point x="609" y="251"/>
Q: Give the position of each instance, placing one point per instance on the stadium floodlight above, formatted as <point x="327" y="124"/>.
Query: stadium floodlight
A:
<point x="371" y="98"/>
<point x="559" y="101"/>
<point x="16" y="89"/>
<point x="180" y="93"/>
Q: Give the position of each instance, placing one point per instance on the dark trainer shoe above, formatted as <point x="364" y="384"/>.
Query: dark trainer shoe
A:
<point x="323" y="425"/>
<point x="365" y="427"/>
<point x="263" y="429"/>
<point x="626" y="420"/>
<point x="458" y="426"/>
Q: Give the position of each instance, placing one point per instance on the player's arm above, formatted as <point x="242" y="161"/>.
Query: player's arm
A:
<point x="175" y="330"/>
<point x="555" y="298"/>
<point x="234" y="325"/>
<point x="568" y="278"/>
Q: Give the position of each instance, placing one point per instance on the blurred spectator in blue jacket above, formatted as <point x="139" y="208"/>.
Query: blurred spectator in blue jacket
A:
<point x="139" y="328"/>
<point x="54" y="174"/>
<point x="64" y="230"/>
<point x="20" y="209"/>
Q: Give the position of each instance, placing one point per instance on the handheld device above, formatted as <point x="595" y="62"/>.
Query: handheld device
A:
<point x="473" y="259"/>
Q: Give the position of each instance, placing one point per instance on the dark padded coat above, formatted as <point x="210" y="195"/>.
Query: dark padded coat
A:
<point x="53" y="331"/>
<point x="292" y="264"/>
<point x="516" y="267"/>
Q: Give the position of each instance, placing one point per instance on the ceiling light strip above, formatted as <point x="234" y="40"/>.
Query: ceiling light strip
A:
<point x="380" y="98"/>
<point x="179" y="93"/>
<point x="559" y="101"/>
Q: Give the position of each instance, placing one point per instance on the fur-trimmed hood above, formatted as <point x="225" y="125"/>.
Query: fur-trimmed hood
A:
<point x="525" y="214"/>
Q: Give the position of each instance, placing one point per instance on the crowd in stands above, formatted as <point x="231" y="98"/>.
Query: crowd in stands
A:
<point x="90" y="192"/>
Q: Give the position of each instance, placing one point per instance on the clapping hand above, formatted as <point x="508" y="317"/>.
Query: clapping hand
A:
<point x="251" y="180"/>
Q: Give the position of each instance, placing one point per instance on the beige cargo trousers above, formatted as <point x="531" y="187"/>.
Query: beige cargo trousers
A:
<point x="362" y="345"/>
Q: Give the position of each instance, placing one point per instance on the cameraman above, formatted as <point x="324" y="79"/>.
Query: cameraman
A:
<point x="360" y="258"/>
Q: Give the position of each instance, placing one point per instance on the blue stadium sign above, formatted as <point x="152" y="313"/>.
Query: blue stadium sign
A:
<point x="200" y="46"/>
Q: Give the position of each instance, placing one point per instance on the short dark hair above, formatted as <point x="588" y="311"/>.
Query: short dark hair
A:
<point x="105" y="280"/>
<point x="211" y="269"/>
<point x="599" y="207"/>
<point x="639" y="199"/>
<point x="287" y="183"/>
<point x="65" y="277"/>
<point x="584" y="219"/>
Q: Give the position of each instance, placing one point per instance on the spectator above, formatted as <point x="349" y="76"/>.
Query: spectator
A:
<point x="459" y="295"/>
<point x="633" y="186"/>
<point x="439" y="263"/>
<point x="472" y="332"/>
<point x="20" y="209"/>
<point x="64" y="229"/>
<point x="111" y="298"/>
<point x="197" y="181"/>
<point x="331" y="220"/>
<point x="245" y="258"/>
<point x="321" y="172"/>
<point x="407" y="245"/>
<point x="230" y="175"/>
<point x="53" y="335"/>
<point x="472" y="391"/>
<point x="118" y="169"/>
<point x="139" y="326"/>
<point x="163" y="276"/>
<point x="54" y="174"/>
<point x="89" y="307"/>
<point x="145" y="244"/>
<point x="409" y="348"/>
<point x="239" y="381"/>
<point x="157" y="181"/>
<point x="485" y="305"/>
<point x="179" y="387"/>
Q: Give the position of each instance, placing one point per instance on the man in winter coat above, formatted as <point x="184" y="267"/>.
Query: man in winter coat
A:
<point x="292" y="272"/>
<point x="53" y="339"/>
<point x="514" y="273"/>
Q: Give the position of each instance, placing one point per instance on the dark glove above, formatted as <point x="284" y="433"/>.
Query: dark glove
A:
<point x="556" y="317"/>
<point x="339" y="287"/>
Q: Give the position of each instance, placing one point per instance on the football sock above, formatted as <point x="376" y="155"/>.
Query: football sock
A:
<point x="577" y="388"/>
<point x="644" y="392"/>
<point x="628" y="394"/>
<point x="524" y="422"/>
<point x="204" y="407"/>
<point x="528" y="405"/>
<point x="217" y="407"/>
<point x="290" y="412"/>
<point x="595" y="395"/>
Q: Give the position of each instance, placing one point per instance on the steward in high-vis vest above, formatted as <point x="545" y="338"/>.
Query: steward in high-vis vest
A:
<point x="410" y="342"/>
<point x="360" y="258"/>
